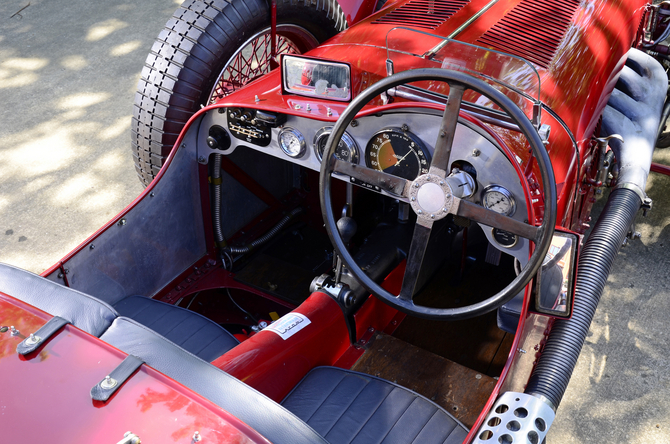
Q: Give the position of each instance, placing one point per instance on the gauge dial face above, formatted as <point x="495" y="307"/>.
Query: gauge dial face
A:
<point x="505" y="238"/>
<point x="292" y="142"/>
<point x="498" y="199"/>
<point x="397" y="152"/>
<point x="346" y="150"/>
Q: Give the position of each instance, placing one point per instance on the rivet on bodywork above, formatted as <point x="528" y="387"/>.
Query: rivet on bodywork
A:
<point x="197" y="437"/>
<point x="14" y="331"/>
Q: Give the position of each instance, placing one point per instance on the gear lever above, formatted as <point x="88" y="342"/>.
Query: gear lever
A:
<point x="347" y="228"/>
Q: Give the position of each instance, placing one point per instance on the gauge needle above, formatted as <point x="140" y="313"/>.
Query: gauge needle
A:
<point x="402" y="158"/>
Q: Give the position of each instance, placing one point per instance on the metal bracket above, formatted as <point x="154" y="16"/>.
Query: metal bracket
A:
<point x="544" y="132"/>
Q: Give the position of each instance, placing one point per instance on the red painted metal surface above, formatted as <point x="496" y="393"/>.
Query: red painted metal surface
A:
<point x="425" y="14"/>
<point x="357" y="10"/>
<point x="274" y="366"/>
<point x="533" y="29"/>
<point x="51" y="388"/>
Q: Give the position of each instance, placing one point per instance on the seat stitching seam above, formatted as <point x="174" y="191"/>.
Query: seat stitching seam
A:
<point x="205" y="345"/>
<point x="345" y="410"/>
<point x="189" y="336"/>
<point x="455" y="426"/>
<point x="156" y="321"/>
<point x="424" y="426"/>
<point x="140" y="311"/>
<point x="373" y="414"/>
<point x="398" y="419"/>
<point x="324" y="400"/>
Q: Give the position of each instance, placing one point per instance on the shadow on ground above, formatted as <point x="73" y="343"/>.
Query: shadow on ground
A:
<point x="68" y="73"/>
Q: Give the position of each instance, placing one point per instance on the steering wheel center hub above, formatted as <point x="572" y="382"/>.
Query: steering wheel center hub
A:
<point x="431" y="197"/>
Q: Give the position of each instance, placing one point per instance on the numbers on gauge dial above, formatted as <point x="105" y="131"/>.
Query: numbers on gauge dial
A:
<point x="397" y="152"/>
<point x="499" y="199"/>
<point x="347" y="149"/>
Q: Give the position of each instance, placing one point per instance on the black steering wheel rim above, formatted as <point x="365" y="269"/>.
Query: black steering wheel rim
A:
<point x="544" y="232"/>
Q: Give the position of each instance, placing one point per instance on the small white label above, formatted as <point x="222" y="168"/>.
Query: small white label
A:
<point x="289" y="325"/>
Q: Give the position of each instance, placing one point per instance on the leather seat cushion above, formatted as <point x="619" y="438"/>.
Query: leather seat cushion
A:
<point x="349" y="407"/>
<point x="192" y="331"/>
<point x="262" y="414"/>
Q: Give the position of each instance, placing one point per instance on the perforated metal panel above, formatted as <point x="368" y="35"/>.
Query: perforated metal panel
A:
<point x="427" y="14"/>
<point x="533" y="29"/>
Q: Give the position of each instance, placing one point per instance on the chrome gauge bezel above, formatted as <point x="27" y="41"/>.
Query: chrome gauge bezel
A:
<point x="298" y="135"/>
<point x="349" y="142"/>
<point x="420" y="150"/>
<point x="504" y="191"/>
<point x="512" y="245"/>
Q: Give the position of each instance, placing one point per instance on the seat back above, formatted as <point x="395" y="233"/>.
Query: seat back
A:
<point x="83" y="311"/>
<point x="258" y="411"/>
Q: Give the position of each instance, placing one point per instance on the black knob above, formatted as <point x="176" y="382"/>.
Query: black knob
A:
<point x="347" y="228"/>
<point x="218" y="138"/>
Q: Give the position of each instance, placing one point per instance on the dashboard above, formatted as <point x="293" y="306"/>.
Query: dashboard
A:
<point x="399" y="142"/>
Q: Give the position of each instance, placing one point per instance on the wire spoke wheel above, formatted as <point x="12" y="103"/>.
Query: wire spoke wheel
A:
<point x="250" y="62"/>
<point x="208" y="50"/>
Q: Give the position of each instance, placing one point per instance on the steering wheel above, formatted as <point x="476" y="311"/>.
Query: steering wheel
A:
<point x="435" y="195"/>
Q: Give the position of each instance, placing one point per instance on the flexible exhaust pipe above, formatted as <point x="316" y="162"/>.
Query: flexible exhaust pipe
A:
<point x="559" y="357"/>
<point x="634" y="112"/>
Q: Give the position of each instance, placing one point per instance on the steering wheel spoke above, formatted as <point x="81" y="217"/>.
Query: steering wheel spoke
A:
<point x="417" y="250"/>
<point x="445" y="138"/>
<point x="432" y="197"/>
<point x="488" y="217"/>
<point x="384" y="181"/>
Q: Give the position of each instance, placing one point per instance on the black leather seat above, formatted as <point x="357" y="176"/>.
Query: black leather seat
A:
<point x="83" y="311"/>
<point x="329" y="406"/>
<point x="192" y="331"/>
<point x="350" y="407"/>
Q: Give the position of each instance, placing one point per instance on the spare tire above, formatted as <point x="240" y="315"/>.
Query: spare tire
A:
<point x="207" y="50"/>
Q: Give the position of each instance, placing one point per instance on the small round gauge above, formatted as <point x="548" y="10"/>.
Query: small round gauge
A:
<point x="505" y="238"/>
<point x="498" y="199"/>
<point x="346" y="150"/>
<point x="292" y="142"/>
<point x="397" y="152"/>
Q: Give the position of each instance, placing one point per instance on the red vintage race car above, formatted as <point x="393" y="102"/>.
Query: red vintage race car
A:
<point x="370" y="234"/>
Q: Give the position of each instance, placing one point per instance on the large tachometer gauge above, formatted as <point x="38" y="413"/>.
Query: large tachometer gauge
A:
<point x="397" y="152"/>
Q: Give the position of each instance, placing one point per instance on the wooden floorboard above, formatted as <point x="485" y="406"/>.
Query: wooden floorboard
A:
<point x="461" y="391"/>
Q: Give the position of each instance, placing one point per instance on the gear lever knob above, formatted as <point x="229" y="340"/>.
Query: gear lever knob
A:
<point x="347" y="228"/>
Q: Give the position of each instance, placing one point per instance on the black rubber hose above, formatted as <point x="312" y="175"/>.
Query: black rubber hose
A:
<point x="559" y="357"/>
<point x="267" y="236"/>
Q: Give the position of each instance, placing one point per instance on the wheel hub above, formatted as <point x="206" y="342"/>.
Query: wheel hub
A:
<point x="431" y="197"/>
